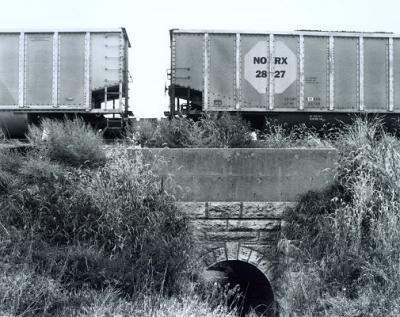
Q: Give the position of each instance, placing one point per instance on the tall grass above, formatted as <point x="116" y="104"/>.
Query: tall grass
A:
<point x="3" y="137"/>
<point x="25" y="293"/>
<point x="220" y="130"/>
<point x="345" y="243"/>
<point x="73" y="216"/>
<point x="224" y="130"/>
<point x="118" y="209"/>
<point x="72" y="142"/>
<point x="27" y="288"/>
<point x="275" y="135"/>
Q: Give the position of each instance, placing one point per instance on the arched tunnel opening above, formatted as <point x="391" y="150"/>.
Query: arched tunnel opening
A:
<point x="254" y="290"/>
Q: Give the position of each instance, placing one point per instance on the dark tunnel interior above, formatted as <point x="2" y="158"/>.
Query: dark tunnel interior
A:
<point x="255" y="291"/>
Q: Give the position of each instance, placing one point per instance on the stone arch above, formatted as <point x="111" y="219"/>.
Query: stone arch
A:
<point x="231" y="251"/>
<point x="234" y="264"/>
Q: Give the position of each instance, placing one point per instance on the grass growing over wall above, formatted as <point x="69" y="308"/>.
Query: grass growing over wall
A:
<point x="345" y="242"/>
<point x="211" y="131"/>
<point x="222" y="130"/>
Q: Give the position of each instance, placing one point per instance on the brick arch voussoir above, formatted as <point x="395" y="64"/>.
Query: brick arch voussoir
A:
<point x="234" y="251"/>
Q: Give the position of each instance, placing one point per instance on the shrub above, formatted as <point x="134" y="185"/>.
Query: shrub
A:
<point x="69" y="142"/>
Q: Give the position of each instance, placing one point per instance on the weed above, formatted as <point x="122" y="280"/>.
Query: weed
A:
<point x="276" y="135"/>
<point x="25" y="293"/>
<point x="69" y="142"/>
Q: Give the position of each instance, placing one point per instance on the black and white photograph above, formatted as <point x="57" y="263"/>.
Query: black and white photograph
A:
<point x="200" y="158"/>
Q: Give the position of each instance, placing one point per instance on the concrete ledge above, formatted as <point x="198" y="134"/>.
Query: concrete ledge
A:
<point x="229" y="175"/>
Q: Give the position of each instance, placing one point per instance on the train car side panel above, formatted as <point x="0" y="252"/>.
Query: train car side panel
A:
<point x="396" y="74"/>
<point x="105" y="60"/>
<point x="316" y="73"/>
<point x="9" y="63"/>
<point x="221" y="84"/>
<point x="189" y="61"/>
<point x="71" y="90"/>
<point x="346" y="74"/>
<point x="38" y="70"/>
<point x="376" y="74"/>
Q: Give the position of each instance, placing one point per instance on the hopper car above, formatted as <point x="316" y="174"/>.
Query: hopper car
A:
<point x="311" y="77"/>
<point x="63" y="73"/>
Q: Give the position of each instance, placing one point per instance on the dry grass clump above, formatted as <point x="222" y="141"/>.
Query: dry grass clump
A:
<point x="71" y="142"/>
<point x="156" y="306"/>
<point x="275" y="135"/>
<point x="345" y="243"/>
<point x="24" y="293"/>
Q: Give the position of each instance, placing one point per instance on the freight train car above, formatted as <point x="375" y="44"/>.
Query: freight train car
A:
<point x="301" y="76"/>
<point x="58" y="73"/>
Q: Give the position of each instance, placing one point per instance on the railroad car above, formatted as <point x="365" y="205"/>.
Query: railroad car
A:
<point x="301" y="76"/>
<point x="58" y="73"/>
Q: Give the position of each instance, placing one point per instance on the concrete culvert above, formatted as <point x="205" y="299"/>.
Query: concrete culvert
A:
<point x="255" y="291"/>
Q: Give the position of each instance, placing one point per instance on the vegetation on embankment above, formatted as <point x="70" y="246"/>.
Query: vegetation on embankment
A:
<point x="220" y="130"/>
<point x="89" y="233"/>
<point x="345" y="242"/>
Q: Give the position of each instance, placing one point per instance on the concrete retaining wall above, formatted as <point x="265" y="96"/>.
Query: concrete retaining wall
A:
<point x="260" y="175"/>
